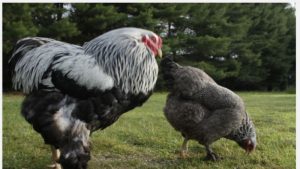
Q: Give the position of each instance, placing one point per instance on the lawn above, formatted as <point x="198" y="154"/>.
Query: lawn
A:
<point x="143" y="138"/>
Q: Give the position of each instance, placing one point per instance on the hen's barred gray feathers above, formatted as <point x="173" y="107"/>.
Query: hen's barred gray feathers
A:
<point x="202" y="110"/>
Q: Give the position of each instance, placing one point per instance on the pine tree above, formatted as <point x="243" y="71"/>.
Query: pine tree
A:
<point x="94" y="19"/>
<point x="17" y="24"/>
<point x="138" y="15"/>
<point x="172" y="22"/>
<point x="52" y="21"/>
<point x="216" y="34"/>
<point x="270" y="36"/>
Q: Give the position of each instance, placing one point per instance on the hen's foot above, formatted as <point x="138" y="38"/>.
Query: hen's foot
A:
<point x="183" y="154"/>
<point x="212" y="157"/>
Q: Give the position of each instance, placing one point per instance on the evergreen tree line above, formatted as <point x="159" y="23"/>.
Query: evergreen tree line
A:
<point x="242" y="46"/>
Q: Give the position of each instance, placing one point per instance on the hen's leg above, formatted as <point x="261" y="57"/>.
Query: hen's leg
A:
<point x="55" y="158"/>
<point x="210" y="154"/>
<point x="219" y="124"/>
<point x="184" y="148"/>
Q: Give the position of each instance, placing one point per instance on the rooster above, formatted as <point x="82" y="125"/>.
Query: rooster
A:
<point x="204" y="111"/>
<point x="72" y="91"/>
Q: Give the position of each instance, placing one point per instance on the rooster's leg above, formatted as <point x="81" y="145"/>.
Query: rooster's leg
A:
<point x="55" y="158"/>
<point x="184" y="148"/>
<point x="210" y="154"/>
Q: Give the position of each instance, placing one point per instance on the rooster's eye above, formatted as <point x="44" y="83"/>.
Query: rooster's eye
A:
<point x="144" y="39"/>
<point x="153" y="39"/>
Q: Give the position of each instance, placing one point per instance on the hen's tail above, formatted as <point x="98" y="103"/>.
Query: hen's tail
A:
<point x="168" y="67"/>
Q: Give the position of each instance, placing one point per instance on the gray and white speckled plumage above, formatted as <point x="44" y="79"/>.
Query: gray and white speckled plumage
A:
<point x="200" y="108"/>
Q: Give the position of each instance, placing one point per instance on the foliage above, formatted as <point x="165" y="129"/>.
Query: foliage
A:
<point x="242" y="46"/>
<point x="51" y="21"/>
<point x="94" y="19"/>
<point x="143" y="138"/>
<point x="17" y="23"/>
<point x="270" y="38"/>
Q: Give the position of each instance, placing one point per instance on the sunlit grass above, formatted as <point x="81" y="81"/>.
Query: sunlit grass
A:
<point x="143" y="138"/>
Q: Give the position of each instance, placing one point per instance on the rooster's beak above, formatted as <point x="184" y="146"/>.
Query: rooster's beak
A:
<point x="159" y="53"/>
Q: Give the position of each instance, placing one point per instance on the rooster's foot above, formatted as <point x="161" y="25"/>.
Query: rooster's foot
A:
<point x="55" y="158"/>
<point x="184" y="149"/>
<point x="54" y="166"/>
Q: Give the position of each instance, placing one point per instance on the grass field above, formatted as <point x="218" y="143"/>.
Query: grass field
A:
<point x="142" y="138"/>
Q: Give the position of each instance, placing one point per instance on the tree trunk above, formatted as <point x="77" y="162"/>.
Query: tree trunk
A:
<point x="60" y="7"/>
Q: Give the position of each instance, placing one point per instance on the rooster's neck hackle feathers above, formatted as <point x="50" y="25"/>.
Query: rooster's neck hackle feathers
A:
<point x="125" y="57"/>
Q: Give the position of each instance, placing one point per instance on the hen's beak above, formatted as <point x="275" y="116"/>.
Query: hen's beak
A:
<point x="159" y="53"/>
<point x="249" y="150"/>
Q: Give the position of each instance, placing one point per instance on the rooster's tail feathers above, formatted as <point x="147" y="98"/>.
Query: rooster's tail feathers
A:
<point x="25" y="45"/>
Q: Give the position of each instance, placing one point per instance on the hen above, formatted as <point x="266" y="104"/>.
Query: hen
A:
<point x="204" y="111"/>
<point x="72" y="91"/>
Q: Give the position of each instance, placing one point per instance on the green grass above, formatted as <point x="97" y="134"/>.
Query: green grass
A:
<point x="142" y="138"/>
